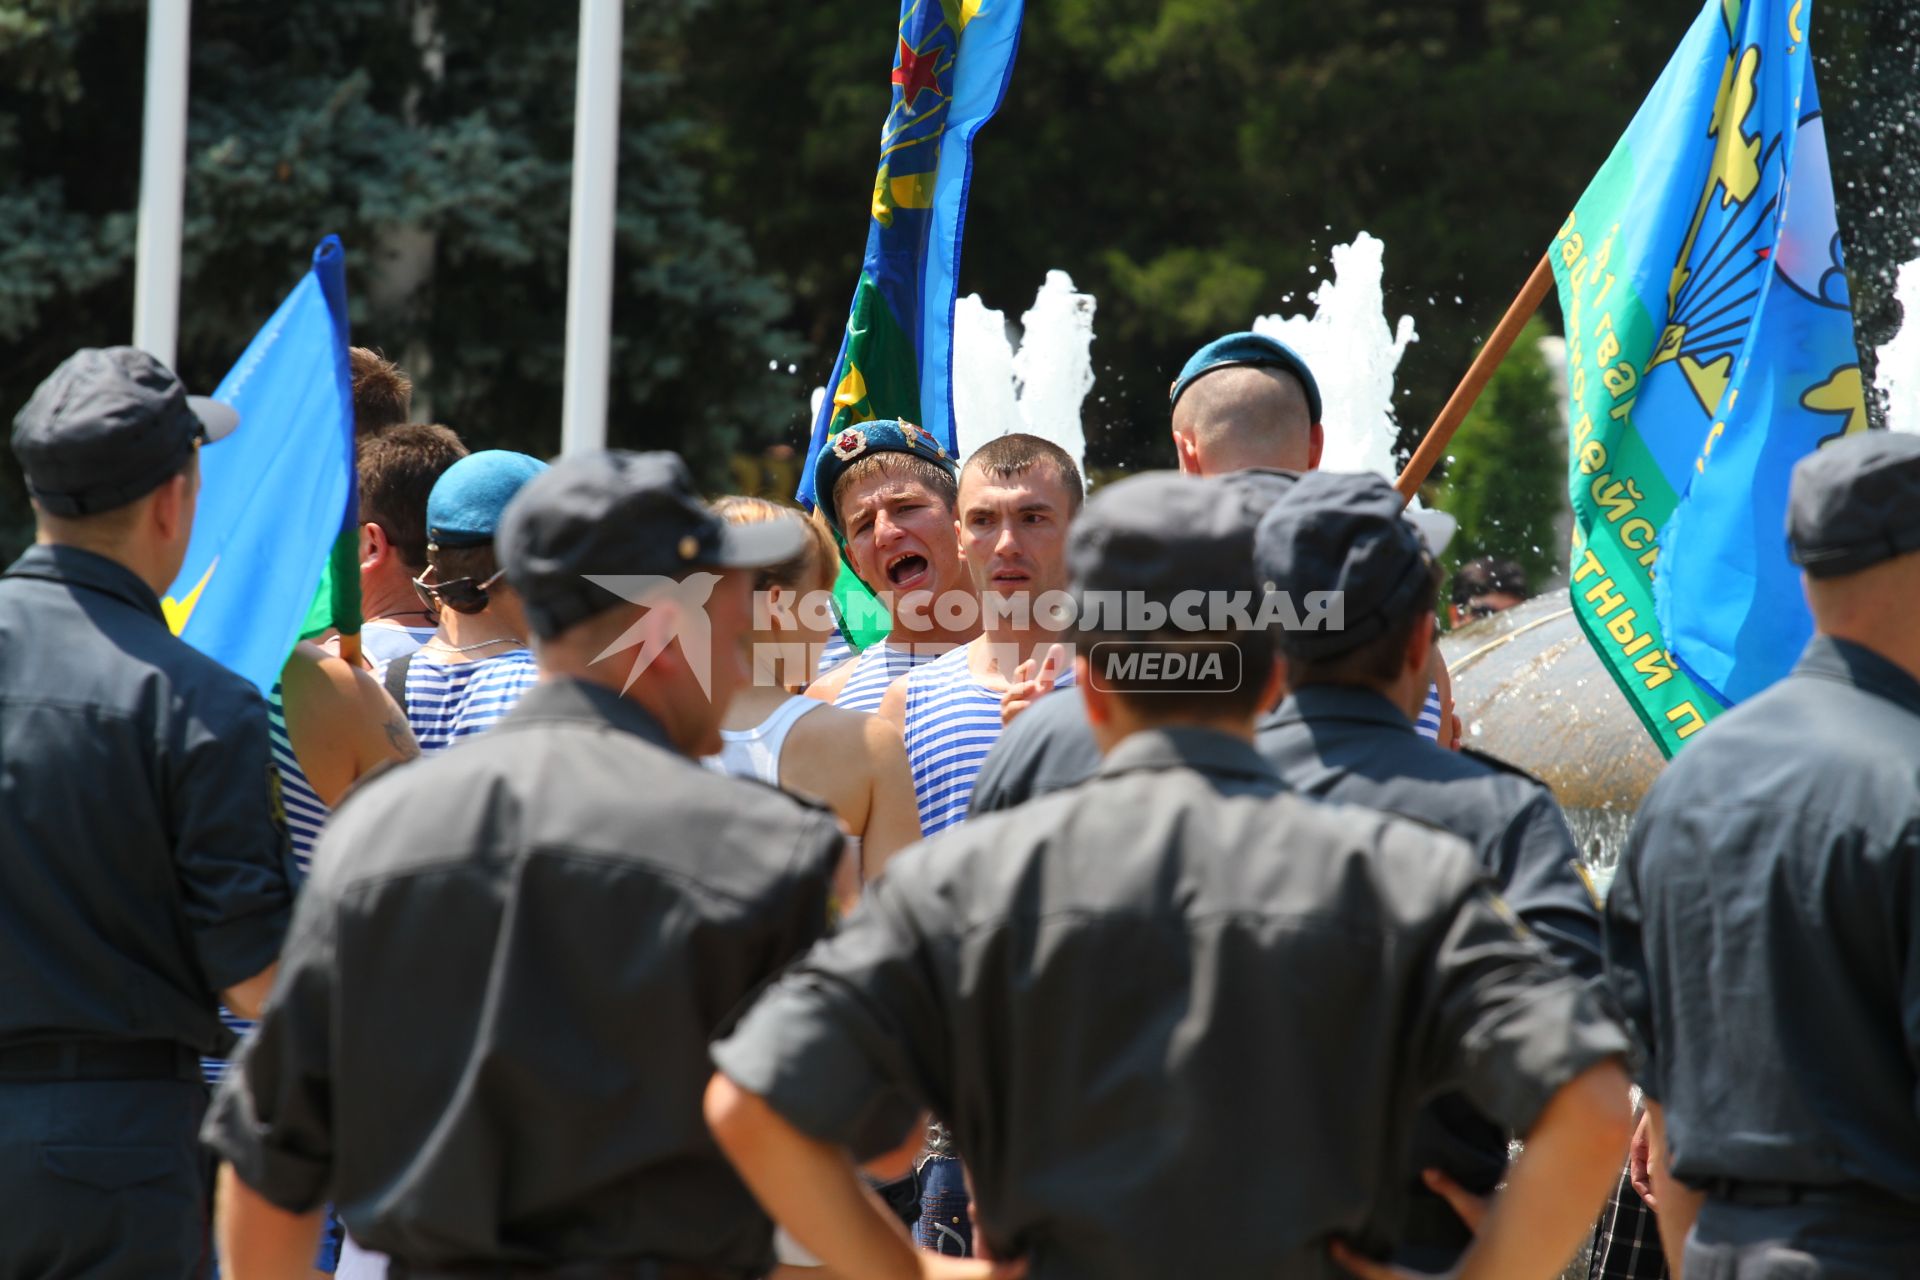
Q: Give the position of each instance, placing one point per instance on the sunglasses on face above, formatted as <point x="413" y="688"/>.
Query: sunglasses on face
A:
<point x="462" y="595"/>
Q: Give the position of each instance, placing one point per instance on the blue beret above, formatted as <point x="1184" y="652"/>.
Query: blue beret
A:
<point x="854" y="442"/>
<point x="1345" y="533"/>
<point x="464" y="508"/>
<point x="1240" y="349"/>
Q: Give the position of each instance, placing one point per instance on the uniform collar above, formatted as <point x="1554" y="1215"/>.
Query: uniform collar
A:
<point x="562" y="699"/>
<point x="1207" y="750"/>
<point x="80" y="568"/>
<point x="1831" y="658"/>
<point x="1338" y="702"/>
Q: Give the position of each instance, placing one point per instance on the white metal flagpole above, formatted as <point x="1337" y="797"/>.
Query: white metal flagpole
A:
<point x="596" y="158"/>
<point x="163" y="181"/>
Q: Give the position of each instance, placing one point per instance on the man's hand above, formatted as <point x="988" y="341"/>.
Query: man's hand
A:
<point x="1639" y="1153"/>
<point x="1030" y="685"/>
<point x="1471" y="1208"/>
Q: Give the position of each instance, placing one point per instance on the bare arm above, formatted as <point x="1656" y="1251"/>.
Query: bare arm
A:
<point x="1554" y="1190"/>
<point x="1679" y="1203"/>
<point x="893" y="814"/>
<point x="340" y="721"/>
<point x="893" y="707"/>
<point x="828" y="687"/>
<point x="810" y="1188"/>
<point x="258" y="1239"/>
<point x="245" y="998"/>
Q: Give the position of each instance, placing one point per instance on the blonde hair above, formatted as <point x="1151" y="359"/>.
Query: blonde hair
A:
<point x="816" y="562"/>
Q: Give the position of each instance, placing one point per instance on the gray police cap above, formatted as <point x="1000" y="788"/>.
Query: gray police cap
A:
<point x="1156" y="535"/>
<point x="620" y="514"/>
<point x="1344" y="533"/>
<point x="1854" y="503"/>
<point x="109" y="426"/>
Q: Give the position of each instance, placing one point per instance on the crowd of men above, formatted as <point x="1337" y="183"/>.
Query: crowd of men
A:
<point x="571" y="928"/>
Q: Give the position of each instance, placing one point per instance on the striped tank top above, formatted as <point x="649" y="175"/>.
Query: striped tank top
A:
<point x="450" y="701"/>
<point x="953" y="721"/>
<point x="305" y="816"/>
<point x="834" y="652"/>
<point x="1429" y="722"/>
<point x="877" y="667"/>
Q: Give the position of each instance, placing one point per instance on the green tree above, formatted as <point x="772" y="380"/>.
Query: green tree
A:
<point x="437" y="141"/>
<point x="1506" y="477"/>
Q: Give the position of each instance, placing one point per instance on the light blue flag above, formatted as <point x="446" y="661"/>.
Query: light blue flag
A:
<point x="275" y="494"/>
<point x="1710" y="347"/>
<point x="1730" y="601"/>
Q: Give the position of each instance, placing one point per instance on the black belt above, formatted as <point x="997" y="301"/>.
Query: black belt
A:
<point x="1775" y="1194"/>
<point x="99" y="1060"/>
<point x="638" y="1269"/>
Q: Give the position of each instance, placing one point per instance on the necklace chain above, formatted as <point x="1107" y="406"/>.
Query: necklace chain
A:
<point x="444" y="647"/>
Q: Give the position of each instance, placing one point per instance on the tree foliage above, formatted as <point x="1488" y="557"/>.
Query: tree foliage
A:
<point x="1190" y="162"/>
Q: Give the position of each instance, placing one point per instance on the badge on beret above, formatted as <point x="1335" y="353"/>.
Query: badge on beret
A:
<point x="849" y="444"/>
<point x="922" y="437"/>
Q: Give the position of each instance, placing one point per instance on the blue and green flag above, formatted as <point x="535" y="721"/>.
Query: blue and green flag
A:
<point x="1709" y="347"/>
<point x="273" y="555"/>
<point x="952" y="62"/>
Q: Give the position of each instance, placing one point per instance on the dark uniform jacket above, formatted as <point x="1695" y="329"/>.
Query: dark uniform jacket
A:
<point x="1763" y="934"/>
<point x="1354" y="746"/>
<point x="144" y="867"/>
<point x="1178" y="1020"/>
<point x="488" y="1043"/>
<point x="1048" y="748"/>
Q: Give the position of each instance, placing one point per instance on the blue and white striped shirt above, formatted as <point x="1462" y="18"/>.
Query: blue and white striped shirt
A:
<point x="305" y="816"/>
<point x="877" y="667"/>
<point x="834" y="652"/>
<point x="953" y="721"/>
<point x="450" y="701"/>
<point x="1428" y="724"/>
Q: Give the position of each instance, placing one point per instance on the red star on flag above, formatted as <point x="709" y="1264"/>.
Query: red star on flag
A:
<point x="916" y="71"/>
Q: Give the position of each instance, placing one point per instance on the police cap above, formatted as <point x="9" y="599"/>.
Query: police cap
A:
<point x="1855" y="503"/>
<point x="109" y="426"/>
<point x="1343" y="533"/>
<point x="1154" y="536"/>
<point x="620" y="514"/>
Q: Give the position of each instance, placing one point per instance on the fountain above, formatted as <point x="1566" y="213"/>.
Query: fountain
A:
<point x="1899" y="372"/>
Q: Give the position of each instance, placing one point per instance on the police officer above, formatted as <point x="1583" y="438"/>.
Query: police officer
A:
<point x="488" y="1044"/>
<point x="1177" y="1019"/>
<point x="1761" y="933"/>
<point x="144" y="872"/>
<point x="1346" y="733"/>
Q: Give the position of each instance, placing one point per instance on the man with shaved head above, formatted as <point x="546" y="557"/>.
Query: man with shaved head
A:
<point x="1246" y="400"/>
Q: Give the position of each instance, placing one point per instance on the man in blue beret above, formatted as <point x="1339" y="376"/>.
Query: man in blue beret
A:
<point x="888" y="488"/>
<point x="1246" y="400"/>
<point x="477" y="665"/>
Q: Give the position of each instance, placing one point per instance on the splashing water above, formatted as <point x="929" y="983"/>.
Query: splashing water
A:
<point x="1899" y="371"/>
<point x="1041" y="388"/>
<point x="1353" y="355"/>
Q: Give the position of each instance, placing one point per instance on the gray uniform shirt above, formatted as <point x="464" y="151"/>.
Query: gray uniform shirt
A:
<point x="1178" y="1021"/>
<point x="488" y="1042"/>
<point x="144" y="866"/>
<point x="1763" y="933"/>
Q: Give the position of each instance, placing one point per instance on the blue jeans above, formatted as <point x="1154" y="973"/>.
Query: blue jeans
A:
<point x="945" y="1226"/>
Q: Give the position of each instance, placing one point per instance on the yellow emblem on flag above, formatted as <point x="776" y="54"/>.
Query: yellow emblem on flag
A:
<point x="178" y="611"/>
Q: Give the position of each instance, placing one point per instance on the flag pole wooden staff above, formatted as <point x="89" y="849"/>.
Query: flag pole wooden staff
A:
<point x="1498" y="343"/>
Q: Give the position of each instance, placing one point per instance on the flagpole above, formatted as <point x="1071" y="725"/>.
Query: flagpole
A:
<point x="1440" y="434"/>
<point x="596" y="158"/>
<point x="163" y="182"/>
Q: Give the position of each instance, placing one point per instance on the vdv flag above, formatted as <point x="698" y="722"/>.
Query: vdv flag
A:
<point x="952" y="63"/>
<point x="276" y="494"/>
<point x="1709" y="347"/>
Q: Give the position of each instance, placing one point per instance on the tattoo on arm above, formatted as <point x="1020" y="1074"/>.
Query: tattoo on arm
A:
<point x="400" y="735"/>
